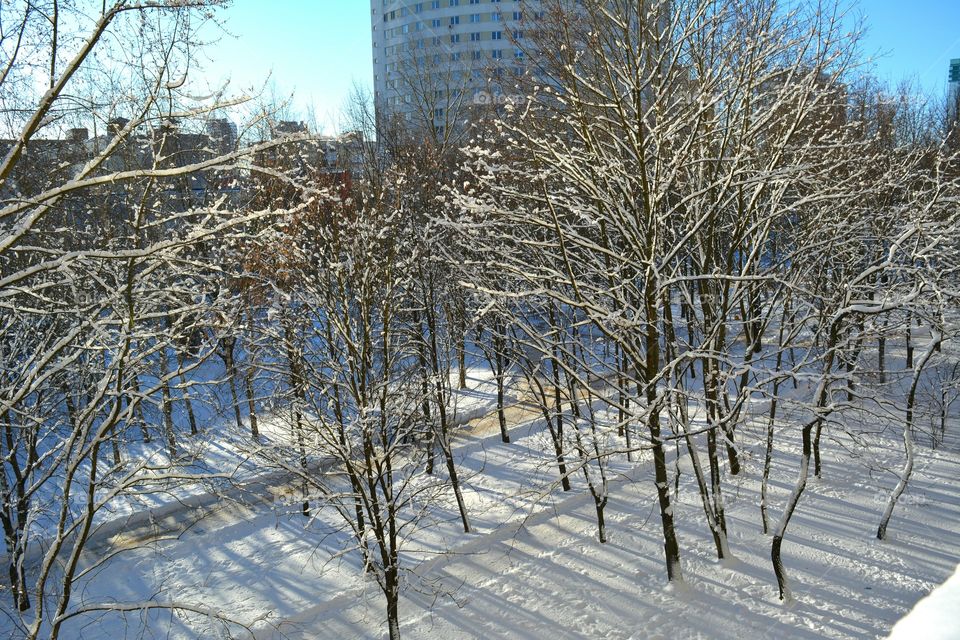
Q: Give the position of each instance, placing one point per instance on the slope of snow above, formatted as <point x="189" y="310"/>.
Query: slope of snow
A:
<point x="534" y="567"/>
<point x="220" y="461"/>
<point x="548" y="576"/>
<point x="936" y="617"/>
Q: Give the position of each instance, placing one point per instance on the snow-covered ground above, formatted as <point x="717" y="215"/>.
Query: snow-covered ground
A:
<point x="547" y="575"/>
<point x="533" y="567"/>
<point x="223" y="463"/>
<point x="936" y="617"/>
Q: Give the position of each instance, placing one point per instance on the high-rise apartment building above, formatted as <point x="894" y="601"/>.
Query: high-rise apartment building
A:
<point x="953" y="89"/>
<point x="433" y="59"/>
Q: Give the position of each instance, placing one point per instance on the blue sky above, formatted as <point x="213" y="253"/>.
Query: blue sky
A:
<point x="318" y="49"/>
<point x="314" y="49"/>
<point x="917" y="38"/>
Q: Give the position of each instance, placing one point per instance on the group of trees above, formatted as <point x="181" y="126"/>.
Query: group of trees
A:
<point x="701" y="218"/>
<point x="713" y="196"/>
<point x="112" y="279"/>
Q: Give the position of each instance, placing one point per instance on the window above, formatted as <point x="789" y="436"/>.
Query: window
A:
<point x="454" y="3"/>
<point x="454" y="20"/>
<point x="475" y="18"/>
<point x="435" y="4"/>
<point x="435" y="23"/>
<point x="496" y="54"/>
<point x="496" y="35"/>
<point x="454" y="38"/>
<point x="475" y="37"/>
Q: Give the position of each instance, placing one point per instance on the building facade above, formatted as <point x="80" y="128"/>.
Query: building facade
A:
<point x="435" y="59"/>
<point x="953" y="89"/>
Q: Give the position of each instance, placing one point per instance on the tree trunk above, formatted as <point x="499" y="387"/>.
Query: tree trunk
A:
<point x="557" y="401"/>
<point x="544" y="403"/>
<point x="907" y="437"/>
<point x="462" y="359"/>
<point x="166" y="403"/>
<point x="137" y="412"/>
<point x="228" y="345"/>
<point x="768" y="452"/>
<point x="296" y="386"/>
<point x="719" y="534"/>
<point x="882" y="351"/>
<point x="430" y="435"/>
<point x="251" y="403"/>
<point x="441" y="377"/>
<point x="187" y="400"/>
<point x="821" y="400"/>
<point x="671" y="546"/>
<point x="499" y="359"/>
<point x="601" y="504"/>
<point x="909" y="340"/>
<point x="622" y="396"/>
<point x="817" y="467"/>
<point x="771" y="421"/>
<point x="392" y="593"/>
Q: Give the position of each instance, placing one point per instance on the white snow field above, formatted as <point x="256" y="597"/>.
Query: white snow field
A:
<point x="534" y="567"/>
<point x="934" y="617"/>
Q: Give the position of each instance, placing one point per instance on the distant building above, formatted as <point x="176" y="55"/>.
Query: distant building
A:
<point x="953" y="88"/>
<point x="222" y="134"/>
<point x="313" y="154"/>
<point x="49" y="163"/>
<point x="432" y="59"/>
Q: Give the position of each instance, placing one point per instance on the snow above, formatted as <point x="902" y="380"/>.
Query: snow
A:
<point x="225" y="464"/>
<point x="545" y="575"/>
<point x="534" y="567"/>
<point x="936" y="617"/>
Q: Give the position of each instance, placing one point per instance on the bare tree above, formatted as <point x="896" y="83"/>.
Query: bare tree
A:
<point x="696" y="164"/>
<point x="109" y="271"/>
